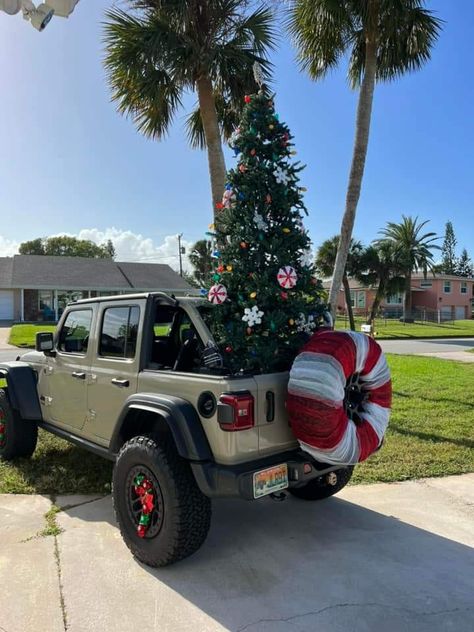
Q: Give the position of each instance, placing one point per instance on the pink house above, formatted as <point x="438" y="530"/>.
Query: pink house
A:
<point x="451" y="296"/>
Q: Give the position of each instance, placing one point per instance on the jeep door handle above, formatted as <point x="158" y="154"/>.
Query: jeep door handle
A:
<point x="78" y="375"/>
<point x="120" y="383"/>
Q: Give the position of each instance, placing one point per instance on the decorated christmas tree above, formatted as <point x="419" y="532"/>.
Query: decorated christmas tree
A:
<point x="264" y="281"/>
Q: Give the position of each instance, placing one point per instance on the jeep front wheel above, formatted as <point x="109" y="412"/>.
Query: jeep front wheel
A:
<point x="17" y="437"/>
<point x="162" y="514"/>
<point x="324" y="486"/>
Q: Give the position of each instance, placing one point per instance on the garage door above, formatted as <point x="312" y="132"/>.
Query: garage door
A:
<point x="460" y="313"/>
<point x="446" y="312"/>
<point x="6" y="305"/>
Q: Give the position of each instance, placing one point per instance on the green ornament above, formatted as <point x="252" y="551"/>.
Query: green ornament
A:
<point x="252" y="130"/>
<point x="261" y="236"/>
<point x="272" y="326"/>
<point x="139" y="478"/>
<point x="144" y="520"/>
<point x="216" y="277"/>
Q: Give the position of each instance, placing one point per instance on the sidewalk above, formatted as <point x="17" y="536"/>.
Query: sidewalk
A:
<point x="392" y="556"/>
<point x="4" y="335"/>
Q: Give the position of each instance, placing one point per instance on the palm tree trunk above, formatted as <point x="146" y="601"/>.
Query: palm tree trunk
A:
<point x="364" y="111"/>
<point x="407" y="297"/>
<point x="376" y="303"/>
<point x="215" y="154"/>
<point x="347" y="293"/>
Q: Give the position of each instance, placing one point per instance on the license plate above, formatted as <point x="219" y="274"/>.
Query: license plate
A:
<point x="271" y="480"/>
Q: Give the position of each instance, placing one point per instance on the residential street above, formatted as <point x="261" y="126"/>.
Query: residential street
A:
<point x="446" y="348"/>
<point x="397" y="553"/>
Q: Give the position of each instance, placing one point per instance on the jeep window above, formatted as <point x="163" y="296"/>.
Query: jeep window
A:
<point x="176" y="343"/>
<point x="118" y="337"/>
<point x="74" y="334"/>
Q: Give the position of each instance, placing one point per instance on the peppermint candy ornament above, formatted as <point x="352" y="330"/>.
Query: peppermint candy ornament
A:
<point x="217" y="294"/>
<point x="287" y="277"/>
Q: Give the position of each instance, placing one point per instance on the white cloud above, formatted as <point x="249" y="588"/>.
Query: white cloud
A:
<point x="129" y="246"/>
<point x="8" y="248"/>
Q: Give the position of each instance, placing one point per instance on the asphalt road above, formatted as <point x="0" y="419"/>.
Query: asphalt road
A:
<point x="446" y="345"/>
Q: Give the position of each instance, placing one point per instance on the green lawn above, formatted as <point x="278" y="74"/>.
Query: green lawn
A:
<point x="431" y="434"/>
<point x="25" y="335"/>
<point x="386" y="329"/>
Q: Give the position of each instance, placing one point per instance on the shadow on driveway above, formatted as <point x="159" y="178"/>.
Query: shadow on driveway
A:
<point x="276" y="567"/>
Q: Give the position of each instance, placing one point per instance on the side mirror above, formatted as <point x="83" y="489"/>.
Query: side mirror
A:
<point x="44" y="341"/>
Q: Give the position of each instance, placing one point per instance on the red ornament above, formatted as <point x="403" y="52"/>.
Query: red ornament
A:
<point x="243" y="245"/>
<point x="284" y="295"/>
<point x="253" y="152"/>
<point x="268" y="198"/>
<point x="242" y="168"/>
<point x="220" y="268"/>
<point x="249" y="331"/>
<point x="228" y="349"/>
<point x="219" y="206"/>
<point x="247" y="98"/>
<point x="141" y="531"/>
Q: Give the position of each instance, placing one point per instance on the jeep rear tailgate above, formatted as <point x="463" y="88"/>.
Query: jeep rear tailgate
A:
<point x="274" y="432"/>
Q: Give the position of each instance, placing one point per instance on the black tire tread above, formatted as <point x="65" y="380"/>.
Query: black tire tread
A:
<point x="313" y="491"/>
<point x="192" y="508"/>
<point x="22" y="436"/>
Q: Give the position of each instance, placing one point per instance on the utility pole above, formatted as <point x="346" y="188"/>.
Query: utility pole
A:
<point x="181" y="251"/>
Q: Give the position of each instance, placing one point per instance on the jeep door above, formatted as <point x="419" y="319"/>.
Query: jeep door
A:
<point x="68" y="370"/>
<point x="115" y="365"/>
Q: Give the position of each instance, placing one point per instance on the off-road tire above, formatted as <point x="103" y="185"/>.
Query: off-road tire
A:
<point x="20" y="435"/>
<point x="315" y="490"/>
<point x="186" y="510"/>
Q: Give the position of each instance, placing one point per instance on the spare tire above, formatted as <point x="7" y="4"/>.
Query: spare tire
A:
<point x="339" y="397"/>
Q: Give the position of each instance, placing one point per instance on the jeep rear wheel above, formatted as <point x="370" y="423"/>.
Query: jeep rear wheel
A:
<point x="162" y="514"/>
<point x="324" y="486"/>
<point x="17" y="437"/>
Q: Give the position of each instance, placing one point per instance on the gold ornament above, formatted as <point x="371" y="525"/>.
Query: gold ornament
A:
<point x="253" y="294"/>
<point x="286" y="230"/>
<point x="271" y="127"/>
<point x="291" y="322"/>
<point x="228" y="268"/>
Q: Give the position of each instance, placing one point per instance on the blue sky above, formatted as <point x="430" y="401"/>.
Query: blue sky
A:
<point x="70" y="163"/>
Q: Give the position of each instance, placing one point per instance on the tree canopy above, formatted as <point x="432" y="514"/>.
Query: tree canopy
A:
<point x="66" y="246"/>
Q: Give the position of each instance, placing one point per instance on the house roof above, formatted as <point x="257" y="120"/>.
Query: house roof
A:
<point x="81" y="273"/>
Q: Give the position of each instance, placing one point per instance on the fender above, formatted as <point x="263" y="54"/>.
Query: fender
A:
<point x="181" y="418"/>
<point x="22" y="392"/>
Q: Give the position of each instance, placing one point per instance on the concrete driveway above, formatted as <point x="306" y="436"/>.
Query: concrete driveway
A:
<point x="380" y="557"/>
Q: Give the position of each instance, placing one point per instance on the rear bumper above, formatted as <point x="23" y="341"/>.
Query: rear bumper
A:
<point x="236" y="481"/>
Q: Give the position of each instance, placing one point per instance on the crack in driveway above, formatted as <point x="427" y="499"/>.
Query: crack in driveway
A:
<point x="350" y="605"/>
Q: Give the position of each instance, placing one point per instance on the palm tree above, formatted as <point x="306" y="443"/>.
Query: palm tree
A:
<point x="383" y="40"/>
<point x="412" y="251"/>
<point x="200" y="258"/>
<point x="324" y="262"/>
<point x="380" y="270"/>
<point x="163" y="49"/>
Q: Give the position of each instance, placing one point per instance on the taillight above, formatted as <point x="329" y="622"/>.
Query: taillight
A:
<point x="235" y="411"/>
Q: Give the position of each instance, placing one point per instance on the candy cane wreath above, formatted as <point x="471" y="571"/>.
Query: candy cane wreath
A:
<point x="339" y="397"/>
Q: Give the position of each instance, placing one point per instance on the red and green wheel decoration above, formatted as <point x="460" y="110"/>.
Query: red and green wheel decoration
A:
<point x="144" y="490"/>
<point x="145" y="502"/>
<point x="3" y="429"/>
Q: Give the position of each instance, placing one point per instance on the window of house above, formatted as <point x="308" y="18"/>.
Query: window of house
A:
<point x="395" y="299"/>
<point x="74" y="334"/>
<point x="463" y="287"/>
<point x="353" y="298"/>
<point x="447" y="287"/>
<point x="118" y="337"/>
<point x="426" y="284"/>
<point x="361" y="299"/>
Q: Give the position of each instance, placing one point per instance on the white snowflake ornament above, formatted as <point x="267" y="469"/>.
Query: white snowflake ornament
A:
<point x="307" y="326"/>
<point x="281" y="176"/>
<point x="306" y="258"/>
<point x="252" y="316"/>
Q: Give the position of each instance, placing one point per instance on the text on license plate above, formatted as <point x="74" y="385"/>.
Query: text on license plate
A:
<point x="273" y="479"/>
